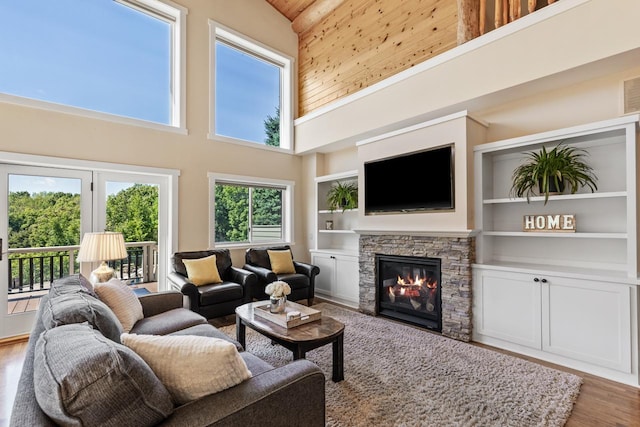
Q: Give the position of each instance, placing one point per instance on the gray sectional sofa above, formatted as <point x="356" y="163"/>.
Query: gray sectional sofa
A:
<point x="105" y="387"/>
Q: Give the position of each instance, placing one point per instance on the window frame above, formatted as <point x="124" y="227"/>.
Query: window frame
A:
<point x="173" y="14"/>
<point x="287" y="207"/>
<point x="253" y="47"/>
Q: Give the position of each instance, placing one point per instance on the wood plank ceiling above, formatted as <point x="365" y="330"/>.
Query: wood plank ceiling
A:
<point x="291" y="8"/>
<point x="347" y="45"/>
<point x="304" y="14"/>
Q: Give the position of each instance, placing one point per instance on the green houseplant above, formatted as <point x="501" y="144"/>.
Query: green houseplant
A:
<point x="342" y="195"/>
<point x="549" y="171"/>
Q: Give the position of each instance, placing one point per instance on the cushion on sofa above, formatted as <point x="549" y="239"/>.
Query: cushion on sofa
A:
<point x="78" y="308"/>
<point x="172" y="358"/>
<point x="70" y="285"/>
<point x="220" y="292"/>
<point x="122" y="300"/>
<point x="83" y="378"/>
<point x="281" y="262"/>
<point x="202" y="271"/>
<point x="208" y="330"/>
<point x="167" y="322"/>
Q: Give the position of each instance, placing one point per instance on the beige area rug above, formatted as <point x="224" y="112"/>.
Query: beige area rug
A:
<point x="396" y="375"/>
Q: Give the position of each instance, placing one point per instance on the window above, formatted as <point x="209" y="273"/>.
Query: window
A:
<point x="119" y="57"/>
<point x="251" y="91"/>
<point x="248" y="210"/>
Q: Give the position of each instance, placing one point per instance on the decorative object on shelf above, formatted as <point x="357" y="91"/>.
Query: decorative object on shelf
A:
<point x="550" y="170"/>
<point x="342" y="195"/>
<point x="103" y="247"/>
<point x="328" y="225"/>
<point x="554" y="223"/>
<point x="277" y="292"/>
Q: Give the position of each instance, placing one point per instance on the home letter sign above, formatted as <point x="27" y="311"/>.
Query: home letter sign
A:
<point x="562" y="223"/>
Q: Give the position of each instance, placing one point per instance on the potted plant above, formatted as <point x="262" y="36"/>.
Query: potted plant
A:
<point x="343" y="195"/>
<point x="549" y="171"/>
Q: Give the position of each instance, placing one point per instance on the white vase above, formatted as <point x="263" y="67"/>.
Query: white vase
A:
<point x="277" y="304"/>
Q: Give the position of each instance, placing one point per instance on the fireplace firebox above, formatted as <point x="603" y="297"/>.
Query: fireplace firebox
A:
<point x="408" y="289"/>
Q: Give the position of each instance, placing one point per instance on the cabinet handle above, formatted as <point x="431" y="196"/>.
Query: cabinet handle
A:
<point x="544" y="280"/>
<point x="535" y="279"/>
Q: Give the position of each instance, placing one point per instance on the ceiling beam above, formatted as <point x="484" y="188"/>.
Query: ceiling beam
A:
<point x="314" y="14"/>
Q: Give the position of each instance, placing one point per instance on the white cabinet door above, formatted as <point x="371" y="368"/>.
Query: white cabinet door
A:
<point x="507" y="306"/>
<point x="347" y="278"/>
<point x="588" y="321"/>
<point x="324" y="280"/>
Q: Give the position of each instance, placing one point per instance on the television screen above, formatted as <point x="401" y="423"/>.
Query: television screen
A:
<point x="418" y="181"/>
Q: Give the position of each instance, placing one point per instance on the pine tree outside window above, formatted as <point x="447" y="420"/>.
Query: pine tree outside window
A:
<point x="251" y="91"/>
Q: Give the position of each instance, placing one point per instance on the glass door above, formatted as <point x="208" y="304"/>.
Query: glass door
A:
<point x="129" y="203"/>
<point x="43" y="214"/>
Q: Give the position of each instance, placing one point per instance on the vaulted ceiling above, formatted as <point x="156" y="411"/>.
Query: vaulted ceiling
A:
<point x="304" y="14"/>
<point x="291" y="8"/>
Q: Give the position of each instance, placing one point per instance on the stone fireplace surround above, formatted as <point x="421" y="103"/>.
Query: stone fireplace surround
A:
<point x="457" y="255"/>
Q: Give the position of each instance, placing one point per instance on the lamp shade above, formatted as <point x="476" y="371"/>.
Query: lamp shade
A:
<point x="105" y="246"/>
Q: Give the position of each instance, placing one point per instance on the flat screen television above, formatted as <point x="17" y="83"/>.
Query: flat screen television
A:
<point x="413" y="182"/>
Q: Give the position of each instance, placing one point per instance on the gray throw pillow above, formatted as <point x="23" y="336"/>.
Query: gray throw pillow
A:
<point x="70" y="285"/>
<point x="83" y="379"/>
<point x="78" y="308"/>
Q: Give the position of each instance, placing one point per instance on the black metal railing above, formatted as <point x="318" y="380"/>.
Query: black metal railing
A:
<point x="34" y="269"/>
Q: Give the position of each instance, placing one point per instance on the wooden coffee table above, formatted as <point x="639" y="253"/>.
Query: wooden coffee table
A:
<point x="300" y="339"/>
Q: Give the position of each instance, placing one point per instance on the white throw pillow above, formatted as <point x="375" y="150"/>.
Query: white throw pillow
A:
<point x="122" y="301"/>
<point x="172" y="358"/>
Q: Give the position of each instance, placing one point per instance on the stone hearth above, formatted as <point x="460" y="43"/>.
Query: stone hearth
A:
<point x="457" y="255"/>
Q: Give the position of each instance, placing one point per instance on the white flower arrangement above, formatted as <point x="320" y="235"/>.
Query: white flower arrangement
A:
<point x="278" y="289"/>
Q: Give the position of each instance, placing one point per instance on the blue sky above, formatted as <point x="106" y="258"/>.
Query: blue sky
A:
<point x="94" y="54"/>
<point x="247" y="91"/>
<point x="104" y="56"/>
<point x="40" y="184"/>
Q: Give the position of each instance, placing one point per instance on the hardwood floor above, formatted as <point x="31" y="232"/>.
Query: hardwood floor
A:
<point x="11" y="359"/>
<point x="601" y="403"/>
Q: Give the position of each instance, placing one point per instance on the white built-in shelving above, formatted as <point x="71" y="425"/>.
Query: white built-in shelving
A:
<point x="336" y="248"/>
<point x="606" y="219"/>
<point x="572" y="297"/>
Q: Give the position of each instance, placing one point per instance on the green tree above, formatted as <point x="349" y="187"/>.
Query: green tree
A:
<point x="134" y="212"/>
<point x="43" y="219"/>
<point x="272" y="129"/>
<point x="231" y="213"/>
<point x="267" y="206"/>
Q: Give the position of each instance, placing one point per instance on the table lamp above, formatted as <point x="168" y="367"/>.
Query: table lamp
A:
<point x="103" y="246"/>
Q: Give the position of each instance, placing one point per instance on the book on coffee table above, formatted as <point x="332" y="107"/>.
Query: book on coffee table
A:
<point x="307" y="314"/>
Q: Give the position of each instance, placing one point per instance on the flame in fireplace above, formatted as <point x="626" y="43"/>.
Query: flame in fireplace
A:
<point x="417" y="282"/>
<point x="412" y="287"/>
<point x="418" y="292"/>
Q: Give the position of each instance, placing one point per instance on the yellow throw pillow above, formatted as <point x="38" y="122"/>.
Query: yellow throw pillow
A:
<point x="218" y="365"/>
<point x="281" y="262"/>
<point x="202" y="271"/>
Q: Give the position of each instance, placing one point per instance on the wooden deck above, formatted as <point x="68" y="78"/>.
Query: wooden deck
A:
<point x="29" y="301"/>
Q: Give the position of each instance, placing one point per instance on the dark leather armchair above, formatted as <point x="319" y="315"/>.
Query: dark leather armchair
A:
<point x="302" y="282"/>
<point x="219" y="299"/>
